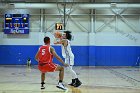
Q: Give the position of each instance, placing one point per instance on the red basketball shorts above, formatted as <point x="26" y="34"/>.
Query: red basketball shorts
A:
<point x="47" y="67"/>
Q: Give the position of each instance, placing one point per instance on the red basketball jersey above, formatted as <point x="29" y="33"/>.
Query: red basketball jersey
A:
<point x="45" y="55"/>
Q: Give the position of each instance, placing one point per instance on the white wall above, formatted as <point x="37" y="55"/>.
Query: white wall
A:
<point x="117" y="39"/>
<point x="115" y="33"/>
<point x="80" y="38"/>
<point x="19" y="39"/>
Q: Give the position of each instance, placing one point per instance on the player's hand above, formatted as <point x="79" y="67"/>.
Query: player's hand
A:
<point x="66" y="65"/>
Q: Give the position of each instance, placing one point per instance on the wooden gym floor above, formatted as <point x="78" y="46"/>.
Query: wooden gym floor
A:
<point x="21" y="79"/>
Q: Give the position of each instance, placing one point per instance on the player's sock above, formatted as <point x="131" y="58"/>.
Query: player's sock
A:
<point x="43" y="82"/>
<point x="60" y="81"/>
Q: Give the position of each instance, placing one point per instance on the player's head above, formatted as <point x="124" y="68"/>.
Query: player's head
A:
<point x="68" y="35"/>
<point x="46" y="40"/>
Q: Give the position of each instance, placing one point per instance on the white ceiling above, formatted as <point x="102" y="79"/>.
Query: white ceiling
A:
<point x="80" y="1"/>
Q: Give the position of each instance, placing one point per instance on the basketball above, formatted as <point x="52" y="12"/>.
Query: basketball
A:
<point x="58" y="34"/>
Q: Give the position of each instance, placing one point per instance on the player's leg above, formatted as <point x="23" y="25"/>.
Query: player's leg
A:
<point x="41" y="67"/>
<point x="51" y="67"/>
<point x="42" y="80"/>
<point x="75" y="81"/>
<point x="73" y="74"/>
<point x="69" y="60"/>
<point x="61" y="72"/>
<point x="61" y="76"/>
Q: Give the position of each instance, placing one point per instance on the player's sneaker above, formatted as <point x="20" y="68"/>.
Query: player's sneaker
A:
<point x="78" y="83"/>
<point x="73" y="82"/>
<point x="61" y="86"/>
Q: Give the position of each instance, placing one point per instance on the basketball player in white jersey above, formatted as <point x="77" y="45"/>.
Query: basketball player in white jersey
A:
<point x="69" y="56"/>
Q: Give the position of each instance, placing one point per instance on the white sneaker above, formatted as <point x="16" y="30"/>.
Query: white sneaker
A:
<point x="61" y="86"/>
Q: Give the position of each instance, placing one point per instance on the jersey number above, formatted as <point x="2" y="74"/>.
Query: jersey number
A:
<point x="43" y="51"/>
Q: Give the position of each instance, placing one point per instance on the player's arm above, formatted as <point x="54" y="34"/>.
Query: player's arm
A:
<point x="57" y="57"/>
<point x="58" y="41"/>
<point x="36" y="56"/>
<point x="64" y="42"/>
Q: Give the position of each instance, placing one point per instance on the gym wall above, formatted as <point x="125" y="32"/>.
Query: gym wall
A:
<point x="109" y="41"/>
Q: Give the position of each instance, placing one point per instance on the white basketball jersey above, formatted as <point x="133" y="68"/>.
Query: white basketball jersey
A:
<point x="66" y="51"/>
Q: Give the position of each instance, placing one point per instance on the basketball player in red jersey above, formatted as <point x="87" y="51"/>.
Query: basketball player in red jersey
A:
<point x="44" y="57"/>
